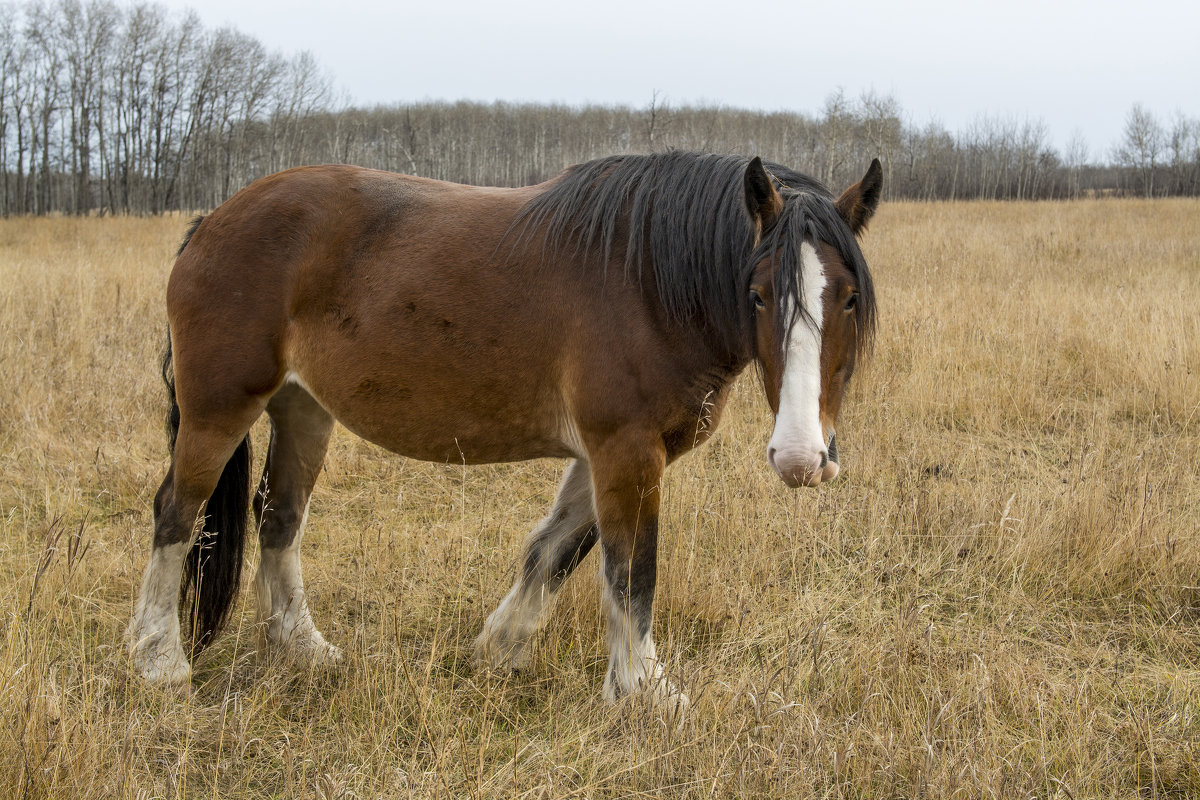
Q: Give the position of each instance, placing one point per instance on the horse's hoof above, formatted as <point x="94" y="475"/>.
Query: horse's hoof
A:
<point x="313" y="651"/>
<point x="169" y="676"/>
<point x="676" y="704"/>
<point x="162" y="669"/>
<point x="328" y="656"/>
<point x="666" y="701"/>
<point x="500" y="656"/>
<point x="653" y="688"/>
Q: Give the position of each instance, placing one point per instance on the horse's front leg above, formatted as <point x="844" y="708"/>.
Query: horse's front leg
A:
<point x="552" y="552"/>
<point x="626" y="475"/>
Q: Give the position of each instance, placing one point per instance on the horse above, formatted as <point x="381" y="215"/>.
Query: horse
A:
<point x="600" y="317"/>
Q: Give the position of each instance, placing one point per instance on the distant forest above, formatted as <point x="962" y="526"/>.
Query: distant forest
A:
<point x="133" y="109"/>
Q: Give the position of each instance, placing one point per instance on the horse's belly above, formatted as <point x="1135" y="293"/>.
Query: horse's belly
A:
<point x="447" y="426"/>
<point x="452" y="441"/>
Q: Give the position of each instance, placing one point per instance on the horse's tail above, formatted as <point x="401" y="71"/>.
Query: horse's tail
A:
<point x="212" y="570"/>
<point x="168" y="376"/>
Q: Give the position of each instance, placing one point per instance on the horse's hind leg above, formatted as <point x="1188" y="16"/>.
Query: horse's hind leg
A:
<point x="300" y="431"/>
<point x="201" y="455"/>
<point x="552" y="551"/>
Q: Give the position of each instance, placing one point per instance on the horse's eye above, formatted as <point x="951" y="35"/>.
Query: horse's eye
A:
<point x="756" y="298"/>
<point x="852" y="303"/>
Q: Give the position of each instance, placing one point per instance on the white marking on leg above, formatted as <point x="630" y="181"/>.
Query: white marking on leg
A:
<point x="798" y="443"/>
<point x="153" y="633"/>
<point x="633" y="662"/>
<point x="503" y="643"/>
<point x="283" y="606"/>
<point x="633" y="665"/>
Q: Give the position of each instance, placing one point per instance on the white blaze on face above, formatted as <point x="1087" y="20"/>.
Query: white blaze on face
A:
<point x="797" y="447"/>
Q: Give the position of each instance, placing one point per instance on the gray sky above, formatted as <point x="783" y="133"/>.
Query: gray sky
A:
<point x="1076" y="65"/>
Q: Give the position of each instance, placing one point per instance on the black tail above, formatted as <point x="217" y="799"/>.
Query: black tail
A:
<point x="212" y="572"/>
<point x="168" y="376"/>
<point x="187" y="237"/>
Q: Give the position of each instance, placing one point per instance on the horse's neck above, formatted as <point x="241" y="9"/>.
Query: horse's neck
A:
<point x="709" y="362"/>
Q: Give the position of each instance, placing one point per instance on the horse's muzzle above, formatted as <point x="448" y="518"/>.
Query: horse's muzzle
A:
<point x="799" y="467"/>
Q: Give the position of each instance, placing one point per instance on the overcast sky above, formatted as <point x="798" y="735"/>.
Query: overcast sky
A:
<point x="1078" y="66"/>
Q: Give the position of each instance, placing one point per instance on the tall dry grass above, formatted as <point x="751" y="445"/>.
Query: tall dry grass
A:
<point x="999" y="599"/>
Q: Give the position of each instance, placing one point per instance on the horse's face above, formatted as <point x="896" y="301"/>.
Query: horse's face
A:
<point x="807" y="355"/>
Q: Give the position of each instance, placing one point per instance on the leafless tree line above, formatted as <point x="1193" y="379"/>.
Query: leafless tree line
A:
<point x="124" y="108"/>
<point x="108" y="108"/>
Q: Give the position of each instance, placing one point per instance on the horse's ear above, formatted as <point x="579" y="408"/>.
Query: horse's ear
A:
<point x="762" y="200"/>
<point x="858" y="203"/>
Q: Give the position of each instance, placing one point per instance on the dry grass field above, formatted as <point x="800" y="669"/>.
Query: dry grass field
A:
<point x="1000" y="598"/>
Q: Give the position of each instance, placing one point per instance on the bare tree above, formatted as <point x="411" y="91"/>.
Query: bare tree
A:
<point x="303" y="90"/>
<point x="21" y="79"/>
<point x="1076" y="160"/>
<point x="1141" y="147"/>
<point x="658" y="117"/>
<point x="9" y="75"/>
<point x="835" y="135"/>
<point x="83" y="33"/>
<point x="44" y="60"/>
<point x="1183" y="155"/>
<point x="883" y="130"/>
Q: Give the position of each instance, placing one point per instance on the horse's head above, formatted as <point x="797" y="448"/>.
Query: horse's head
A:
<point x="813" y="306"/>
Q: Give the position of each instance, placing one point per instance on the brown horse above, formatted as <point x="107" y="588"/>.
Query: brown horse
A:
<point x="599" y="317"/>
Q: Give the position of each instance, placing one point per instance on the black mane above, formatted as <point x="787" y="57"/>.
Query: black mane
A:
<point x="684" y="216"/>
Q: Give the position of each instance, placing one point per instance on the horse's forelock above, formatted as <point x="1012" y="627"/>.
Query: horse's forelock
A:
<point x="810" y="216"/>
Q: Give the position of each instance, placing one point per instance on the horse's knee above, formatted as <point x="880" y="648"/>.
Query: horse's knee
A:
<point x="174" y="520"/>
<point x="278" y="526"/>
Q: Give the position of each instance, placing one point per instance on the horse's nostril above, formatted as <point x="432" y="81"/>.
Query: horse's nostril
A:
<point x="824" y="459"/>
<point x="771" y="455"/>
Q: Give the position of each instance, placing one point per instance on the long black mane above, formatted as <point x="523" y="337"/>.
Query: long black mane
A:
<point x="684" y="216"/>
